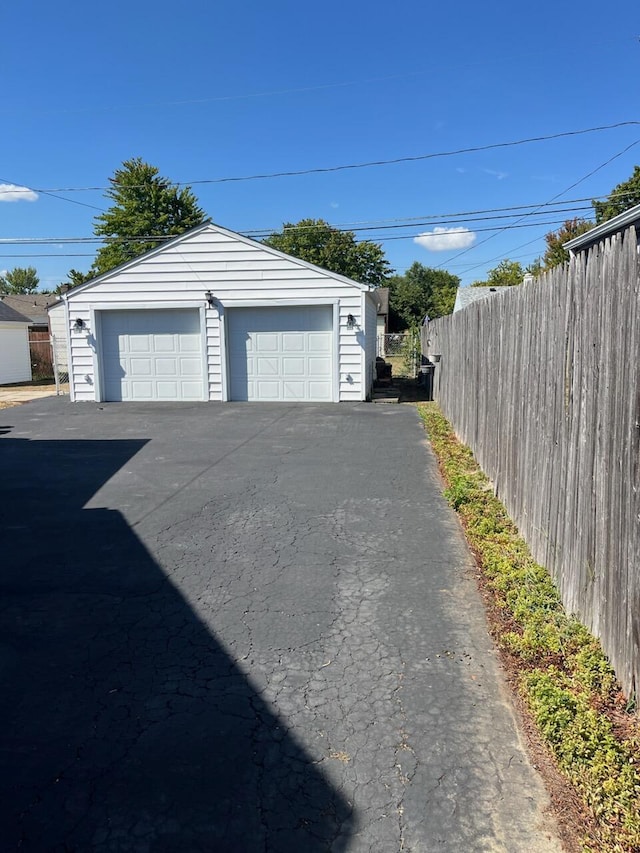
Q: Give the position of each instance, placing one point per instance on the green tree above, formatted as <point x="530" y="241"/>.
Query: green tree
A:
<point x="556" y="253"/>
<point x="144" y="204"/>
<point x="19" y="280"/>
<point x="621" y="198"/>
<point x="506" y="274"/>
<point x="74" y="278"/>
<point x="317" y="242"/>
<point x="421" y="291"/>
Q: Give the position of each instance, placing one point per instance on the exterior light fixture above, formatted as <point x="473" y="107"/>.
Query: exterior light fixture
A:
<point x="351" y="321"/>
<point x="210" y="299"/>
<point x="79" y="324"/>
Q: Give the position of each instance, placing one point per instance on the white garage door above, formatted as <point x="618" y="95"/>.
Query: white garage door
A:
<point x="151" y="355"/>
<point x="281" y="354"/>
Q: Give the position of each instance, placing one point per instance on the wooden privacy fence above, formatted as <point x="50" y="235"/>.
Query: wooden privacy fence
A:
<point x="542" y="381"/>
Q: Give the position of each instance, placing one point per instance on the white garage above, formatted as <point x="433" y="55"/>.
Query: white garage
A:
<point x="151" y="355"/>
<point x="215" y="316"/>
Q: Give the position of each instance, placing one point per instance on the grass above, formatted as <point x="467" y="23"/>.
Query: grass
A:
<point x="563" y="675"/>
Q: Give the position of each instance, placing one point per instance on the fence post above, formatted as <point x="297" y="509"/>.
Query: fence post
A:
<point x="56" y="372"/>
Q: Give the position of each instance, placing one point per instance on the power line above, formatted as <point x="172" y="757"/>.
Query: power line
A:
<point x="382" y="239"/>
<point x="327" y="169"/>
<point x="22" y="189"/>
<point x="552" y="199"/>
<point x="352" y="225"/>
<point x="398" y="223"/>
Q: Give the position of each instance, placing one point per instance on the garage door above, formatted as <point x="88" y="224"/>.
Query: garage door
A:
<point x="151" y="355"/>
<point x="281" y="354"/>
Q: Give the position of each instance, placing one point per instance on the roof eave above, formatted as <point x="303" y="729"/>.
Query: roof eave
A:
<point x="617" y="223"/>
<point x="234" y="235"/>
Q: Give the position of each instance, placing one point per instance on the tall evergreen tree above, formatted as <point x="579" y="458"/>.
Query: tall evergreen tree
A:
<point x="144" y="205"/>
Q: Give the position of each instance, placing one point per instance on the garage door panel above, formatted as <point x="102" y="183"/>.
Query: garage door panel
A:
<point x="281" y="353"/>
<point x="319" y="390"/>
<point x="138" y="343"/>
<point x="319" y="342"/>
<point x="267" y="390"/>
<point x="266" y="366"/>
<point x="293" y="367"/>
<point x="164" y="343"/>
<point x="191" y="390"/>
<point x="191" y="367"/>
<point x="142" y="355"/>
<point x="166" y="367"/>
<point x="167" y="390"/>
<point x="189" y="343"/>
<point x="137" y="390"/>
<point x="295" y="391"/>
<point x="138" y="367"/>
<point x="318" y="366"/>
<point x="293" y="342"/>
<point x="267" y="342"/>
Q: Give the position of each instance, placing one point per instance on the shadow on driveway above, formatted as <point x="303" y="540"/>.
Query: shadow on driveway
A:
<point x="125" y="724"/>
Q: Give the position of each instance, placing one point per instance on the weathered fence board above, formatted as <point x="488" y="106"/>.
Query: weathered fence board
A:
<point x="542" y="381"/>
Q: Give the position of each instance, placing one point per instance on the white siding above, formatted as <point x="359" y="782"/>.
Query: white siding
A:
<point x="15" y="358"/>
<point x="237" y="271"/>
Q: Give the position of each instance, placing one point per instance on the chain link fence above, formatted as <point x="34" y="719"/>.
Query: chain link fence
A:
<point x="403" y="348"/>
<point x="48" y="358"/>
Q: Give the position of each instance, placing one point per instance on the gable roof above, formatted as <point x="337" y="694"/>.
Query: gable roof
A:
<point x="605" y="229"/>
<point x="211" y="226"/>
<point x="467" y="295"/>
<point x="31" y="305"/>
<point x="9" y="315"/>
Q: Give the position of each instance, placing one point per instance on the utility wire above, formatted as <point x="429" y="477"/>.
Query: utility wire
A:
<point x="382" y="239"/>
<point x="553" y="198"/>
<point x="399" y="223"/>
<point x="52" y="193"/>
<point x="326" y="169"/>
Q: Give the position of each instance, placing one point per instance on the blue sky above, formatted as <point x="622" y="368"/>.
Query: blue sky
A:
<point x="207" y="90"/>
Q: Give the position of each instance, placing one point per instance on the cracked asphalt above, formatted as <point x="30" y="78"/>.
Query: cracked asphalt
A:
<point x="245" y="628"/>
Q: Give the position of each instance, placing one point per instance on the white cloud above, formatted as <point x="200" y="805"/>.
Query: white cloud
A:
<point x="499" y="175"/>
<point x="335" y="204"/>
<point x="443" y="239"/>
<point x="12" y="192"/>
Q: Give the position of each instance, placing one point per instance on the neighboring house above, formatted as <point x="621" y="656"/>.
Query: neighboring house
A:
<point x="32" y="305"/>
<point x="466" y="295"/>
<point x="606" y="229"/>
<point x="15" y="359"/>
<point x="381" y="295"/>
<point x="213" y="315"/>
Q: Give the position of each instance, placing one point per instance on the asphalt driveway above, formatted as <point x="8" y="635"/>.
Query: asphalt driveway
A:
<point x="245" y="628"/>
